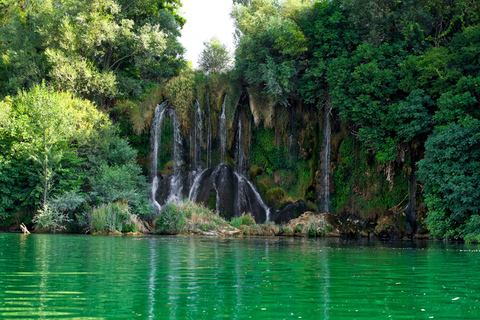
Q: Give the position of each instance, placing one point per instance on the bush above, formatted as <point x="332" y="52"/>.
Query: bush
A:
<point x="244" y="219"/>
<point x="171" y="219"/>
<point x="49" y="219"/>
<point x="187" y="216"/>
<point x="112" y="217"/>
<point x="275" y="197"/>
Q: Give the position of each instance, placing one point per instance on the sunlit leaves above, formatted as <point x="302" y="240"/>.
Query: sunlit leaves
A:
<point x="214" y="57"/>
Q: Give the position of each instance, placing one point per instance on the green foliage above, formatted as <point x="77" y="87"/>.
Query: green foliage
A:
<point x="49" y="219"/>
<point x="56" y="148"/>
<point x="170" y="219"/>
<point x="450" y="172"/>
<point x="187" y="216"/>
<point x="275" y="197"/>
<point x="180" y="93"/>
<point x="243" y="220"/>
<point x="268" y="51"/>
<point x="99" y="49"/>
<point x="111" y="217"/>
<point x="360" y="187"/>
<point x="266" y="154"/>
<point x="214" y="57"/>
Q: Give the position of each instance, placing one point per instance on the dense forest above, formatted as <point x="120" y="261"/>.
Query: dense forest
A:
<point x="367" y="109"/>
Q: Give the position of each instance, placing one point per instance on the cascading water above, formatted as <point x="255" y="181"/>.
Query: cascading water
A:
<point x="209" y="139"/>
<point x="223" y="130"/>
<point x="197" y="147"/>
<point x="325" y="188"/>
<point x="240" y="155"/>
<point x="156" y="140"/>
<point x="242" y="198"/>
<point x="176" y="187"/>
<point x="192" y="195"/>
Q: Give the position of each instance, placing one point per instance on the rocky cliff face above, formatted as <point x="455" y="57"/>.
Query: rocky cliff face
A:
<point x="306" y="160"/>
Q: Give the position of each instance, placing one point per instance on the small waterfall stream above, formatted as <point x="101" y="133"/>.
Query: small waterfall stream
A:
<point x="209" y="139"/>
<point x="156" y="140"/>
<point x="176" y="187"/>
<point x="175" y="182"/>
<point x="197" y="146"/>
<point x="240" y="154"/>
<point x="223" y="131"/>
<point x="327" y="137"/>
<point x="241" y="196"/>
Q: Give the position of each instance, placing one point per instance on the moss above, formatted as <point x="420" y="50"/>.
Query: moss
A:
<point x="262" y="189"/>
<point x="167" y="168"/>
<point x="312" y="206"/>
<point x="254" y="172"/>
<point x="212" y="200"/>
<point x="275" y="197"/>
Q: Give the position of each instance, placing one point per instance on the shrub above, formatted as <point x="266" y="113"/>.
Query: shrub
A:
<point x="275" y="196"/>
<point x="49" y="219"/>
<point x="187" y="216"/>
<point x="112" y="217"/>
<point x="244" y="219"/>
<point x="171" y="219"/>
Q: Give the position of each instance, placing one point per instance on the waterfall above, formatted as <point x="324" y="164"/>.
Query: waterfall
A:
<point x="242" y="180"/>
<point x="176" y="187"/>
<point x="209" y="139"/>
<point x="156" y="140"/>
<point x="197" y="147"/>
<point x="240" y="156"/>
<point x="223" y="130"/>
<point x="216" y="172"/>
<point x="192" y="195"/>
<point x="325" y="168"/>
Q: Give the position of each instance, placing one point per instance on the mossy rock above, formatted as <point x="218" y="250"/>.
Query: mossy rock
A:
<point x="267" y="182"/>
<point x="390" y="225"/>
<point x="262" y="189"/>
<point x="275" y="197"/>
<point x="167" y="168"/>
<point x="312" y="206"/>
<point x="212" y="200"/>
<point x="254" y="172"/>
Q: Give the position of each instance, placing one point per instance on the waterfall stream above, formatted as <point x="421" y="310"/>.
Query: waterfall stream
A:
<point x="223" y="131"/>
<point x="176" y="186"/>
<point x="240" y="155"/>
<point x="197" y="146"/>
<point x="156" y="140"/>
<point x="175" y="182"/>
<point x="209" y="140"/>
<point x="325" y="188"/>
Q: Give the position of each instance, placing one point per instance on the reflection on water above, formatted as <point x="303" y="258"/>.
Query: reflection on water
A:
<point x="74" y="276"/>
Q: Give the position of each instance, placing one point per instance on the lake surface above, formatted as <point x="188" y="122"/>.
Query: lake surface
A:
<point x="174" y="277"/>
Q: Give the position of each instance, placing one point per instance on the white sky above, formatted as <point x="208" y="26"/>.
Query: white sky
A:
<point x="206" y="19"/>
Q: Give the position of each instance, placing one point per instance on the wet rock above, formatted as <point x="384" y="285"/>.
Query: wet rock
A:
<point x="289" y="211"/>
<point x="234" y="194"/>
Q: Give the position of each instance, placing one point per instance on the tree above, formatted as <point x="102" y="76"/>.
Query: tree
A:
<point x="271" y="47"/>
<point x="451" y="176"/>
<point x="214" y="57"/>
<point x="98" y="49"/>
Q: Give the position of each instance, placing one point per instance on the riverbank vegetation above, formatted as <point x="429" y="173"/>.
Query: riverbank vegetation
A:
<point x="398" y="81"/>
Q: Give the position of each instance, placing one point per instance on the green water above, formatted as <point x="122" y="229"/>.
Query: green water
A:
<point x="94" y="277"/>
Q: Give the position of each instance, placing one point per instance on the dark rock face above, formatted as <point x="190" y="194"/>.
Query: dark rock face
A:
<point x="289" y="211"/>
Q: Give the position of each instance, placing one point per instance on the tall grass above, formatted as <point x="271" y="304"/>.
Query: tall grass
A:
<point x="187" y="216"/>
<point x="114" y="217"/>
